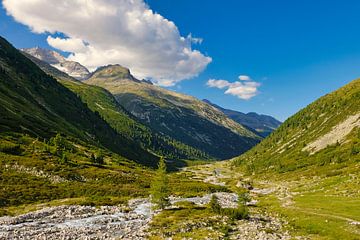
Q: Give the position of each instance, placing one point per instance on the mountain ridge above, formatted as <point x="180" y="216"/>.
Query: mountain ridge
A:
<point x="35" y="103"/>
<point x="307" y="138"/>
<point x="182" y="117"/>
<point x="55" y="59"/>
<point x="261" y="124"/>
<point x="102" y="101"/>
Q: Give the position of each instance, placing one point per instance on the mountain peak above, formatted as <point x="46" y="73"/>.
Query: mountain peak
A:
<point x="115" y="73"/>
<point x="46" y="55"/>
<point x="73" y="69"/>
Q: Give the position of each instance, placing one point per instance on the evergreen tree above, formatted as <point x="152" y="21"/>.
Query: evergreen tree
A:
<point x="159" y="186"/>
<point x="214" y="204"/>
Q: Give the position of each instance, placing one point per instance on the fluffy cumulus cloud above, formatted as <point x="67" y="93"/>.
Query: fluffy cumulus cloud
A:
<point x="243" y="89"/>
<point x="101" y="32"/>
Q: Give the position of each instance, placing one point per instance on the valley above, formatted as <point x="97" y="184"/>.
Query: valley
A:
<point x="115" y="157"/>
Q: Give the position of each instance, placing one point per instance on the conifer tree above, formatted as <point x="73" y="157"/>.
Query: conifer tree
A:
<point x="159" y="186"/>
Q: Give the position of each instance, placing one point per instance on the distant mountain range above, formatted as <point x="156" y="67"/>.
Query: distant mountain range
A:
<point x="262" y="125"/>
<point x="162" y="121"/>
<point x="73" y="69"/>
<point x="183" y="118"/>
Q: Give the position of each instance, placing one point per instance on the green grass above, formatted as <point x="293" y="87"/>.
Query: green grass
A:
<point x="183" y="118"/>
<point x="101" y="101"/>
<point x="321" y="207"/>
<point x="34" y="103"/>
<point x="187" y="221"/>
<point x="283" y="150"/>
<point x="32" y="176"/>
<point x="324" y="185"/>
<point x="35" y="176"/>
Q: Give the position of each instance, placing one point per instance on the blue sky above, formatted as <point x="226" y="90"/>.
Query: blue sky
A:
<point x="297" y="50"/>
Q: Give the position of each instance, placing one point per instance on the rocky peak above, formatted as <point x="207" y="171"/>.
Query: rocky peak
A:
<point x="55" y="59"/>
<point x="46" y="55"/>
<point x="113" y="73"/>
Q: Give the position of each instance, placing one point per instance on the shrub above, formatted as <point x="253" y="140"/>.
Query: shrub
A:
<point x="186" y="204"/>
<point x="10" y="148"/>
<point x="214" y="204"/>
<point x="241" y="212"/>
<point x="98" y="158"/>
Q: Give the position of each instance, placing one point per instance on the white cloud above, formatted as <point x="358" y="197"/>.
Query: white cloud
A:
<point x="243" y="90"/>
<point x="195" y="39"/>
<point x="67" y="45"/>
<point x="101" y="32"/>
<point x="218" y="83"/>
<point x="244" y="78"/>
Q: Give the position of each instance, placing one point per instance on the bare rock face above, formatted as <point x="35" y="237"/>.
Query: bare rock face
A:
<point x="73" y="69"/>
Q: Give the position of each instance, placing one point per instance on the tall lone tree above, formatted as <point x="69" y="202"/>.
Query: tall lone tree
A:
<point x="159" y="186"/>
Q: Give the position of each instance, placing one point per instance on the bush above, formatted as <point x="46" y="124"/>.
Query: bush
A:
<point x="98" y="158"/>
<point x="186" y="205"/>
<point x="241" y="212"/>
<point x="10" y="148"/>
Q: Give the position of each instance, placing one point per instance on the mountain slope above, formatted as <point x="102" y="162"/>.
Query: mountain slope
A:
<point x="325" y="132"/>
<point x="32" y="102"/>
<point x="101" y="101"/>
<point x="73" y="69"/>
<point x="261" y="124"/>
<point x="181" y="117"/>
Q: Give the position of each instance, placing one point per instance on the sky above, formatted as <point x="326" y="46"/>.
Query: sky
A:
<point x="270" y="57"/>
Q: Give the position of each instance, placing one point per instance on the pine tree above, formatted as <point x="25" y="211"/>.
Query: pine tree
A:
<point x="214" y="204"/>
<point x="159" y="186"/>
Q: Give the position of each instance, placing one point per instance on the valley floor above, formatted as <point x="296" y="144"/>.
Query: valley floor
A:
<point x="280" y="207"/>
<point x="315" y="204"/>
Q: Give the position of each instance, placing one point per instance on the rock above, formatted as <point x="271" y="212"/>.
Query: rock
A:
<point x="80" y="222"/>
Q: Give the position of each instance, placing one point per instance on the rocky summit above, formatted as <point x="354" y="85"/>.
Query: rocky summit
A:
<point x="73" y="69"/>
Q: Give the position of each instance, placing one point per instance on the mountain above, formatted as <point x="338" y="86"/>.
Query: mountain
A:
<point x="73" y="69"/>
<point x="103" y="102"/>
<point x="327" y="132"/>
<point x="307" y="171"/>
<point x="261" y="124"/>
<point x="34" y="103"/>
<point x="183" y="118"/>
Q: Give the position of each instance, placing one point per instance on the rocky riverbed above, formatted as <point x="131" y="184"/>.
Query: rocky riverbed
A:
<point x="80" y="222"/>
<point x="133" y="220"/>
<point x="86" y="222"/>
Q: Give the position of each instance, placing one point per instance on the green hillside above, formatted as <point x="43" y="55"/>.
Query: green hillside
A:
<point x="101" y="101"/>
<point x="32" y="102"/>
<point x="55" y="151"/>
<point x="294" y="145"/>
<point x="34" y="171"/>
<point x="181" y="117"/>
<point x="308" y="169"/>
